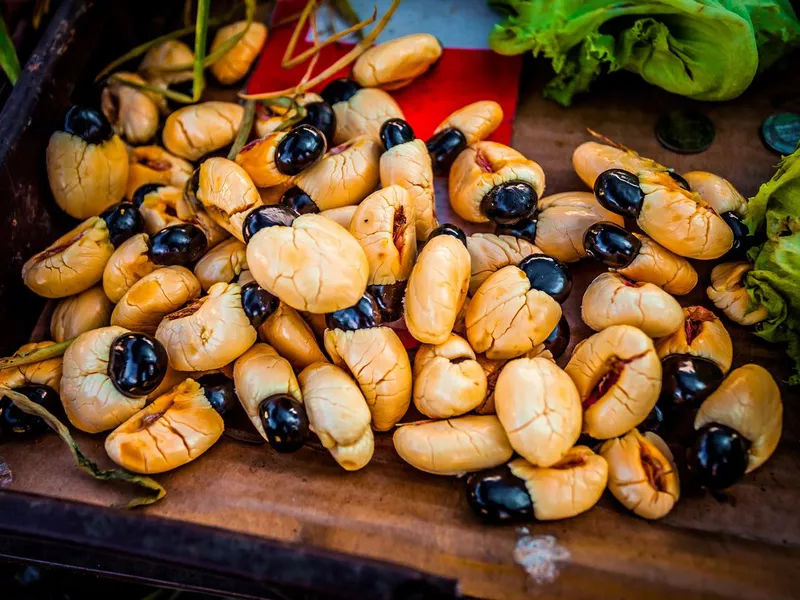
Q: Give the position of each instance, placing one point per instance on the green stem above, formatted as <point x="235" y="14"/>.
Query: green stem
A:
<point x="36" y="355"/>
<point x="245" y="127"/>
<point x="9" y="61"/>
<point x="82" y="462"/>
<point x="166" y="92"/>
<point x="200" y="43"/>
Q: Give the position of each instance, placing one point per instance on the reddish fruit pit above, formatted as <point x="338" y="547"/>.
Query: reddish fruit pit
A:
<point x="187" y="310"/>
<point x="693" y="325"/>
<point x="251" y="145"/>
<point x="569" y="463"/>
<point x="653" y="468"/>
<point x="60" y="248"/>
<point x="606" y="382"/>
<point x="628" y="282"/>
<point x="148" y="420"/>
<point x="483" y="163"/>
<point x="155" y="165"/>
<point x="400" y="224"/>
<point x="461" y="359"/>
<point x="340" y="148"/>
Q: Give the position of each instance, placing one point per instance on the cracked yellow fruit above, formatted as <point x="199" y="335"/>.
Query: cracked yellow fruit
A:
<point x="167" y="54"/>
<point x="657" y="265"/>
<point x="346" y="175"/>
<point x="612" y="299"/>
<point x="342" y="215"/>
<point x="506" y="318"/>
<point x="313" y="265"/>
<point x="571" y="486"/>
<point x="222" y="264"/>
<point x="153" y="164"/>
<point x="728" y="294"/>
<point x="209" y="333"/>
<point x="260" y="373"/>
<point x="82" y="312"/>
<point x="45" y="372"/>
<point x="91" y="401"/>
<point x="489" y="253"/>
<point x="396" y="63"/>
<point x="618" y="376"/>
<point x="448" y="380"/>
<point x="190" y="210"/>
<point x="159" y="208"/>
<point x="562" y="220"/>
<point x="476" y="121"/>
<point x="379" y="362"/>
<point x="245" y="277"/>
<point x="196" y="130"/>
<point x="363" y="114"/>
<point x="258" y="160"/>
<point x="592" y="158"/>
<point x="292" y="337"/>
<point x="132" y="113"/>
<point x="384" y="226"/>
<point x="702" y="334"/>
<point x="437" y="289"/>
<point x="269" y="118"/>
<point x="717" y="191"/>
<point x="480" y="168"/>
<point x="539" y="407"/>
<point x="642" y="474"/>
<point x="409" y="166"/>
<point x="338" y="414"/>
<point x="236" y="62"/>
<point x="227" y="193"/>
<point x="153" y="297"/>
<point x="493" y="367"/>
<point x="454" y="446"/>
<point x="127" y="265"/>
<point x="172" y="431"/>
<point x="748" y="401"/>
<point x="72" y="264"/>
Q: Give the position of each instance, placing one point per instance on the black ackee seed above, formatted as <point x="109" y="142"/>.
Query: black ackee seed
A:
<point x="680" y="180"/>
<point x="144" y="190"/>
<point x="686" y="381"/>
<point x="299" y="149"/>
<point x="137" y="363"/>
<point x="178" y="245"/>
<point x="498" y="496"/>
<point x="297" y="199"/>
<point x="509" y="202"/>
<point x="654" y="422"/>
<point x="618" y="191"/>
<point x="219" y="391"/>
<point x="88" y="124"/>
<point x="742" y="241"/>
<point x="258" y="303"/>
<point x="276" y="215"/>
<point x="123" y="221"/>
<point x="548" y="275"/>
<point x="449" y="229"/>
<point x="718" y="457"/>
<point x="14" y="422"/>
<point x="611" y="244"/>
<point x="321" y="116"/>
<point x="285" y="422"/>
<point x="339" y="90"/>
<point x="524" y="229"/>
<point x="444" y="147"/>
<point x="362" y="315"/>
<point x="390" y="300"/>
<point x="395" y="132"/>
<point x="558" y="340"/>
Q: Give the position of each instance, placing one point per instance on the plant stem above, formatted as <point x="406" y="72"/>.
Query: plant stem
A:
<point x="36" y="355"/>
<point x="200" y="43"/>
<point x="245" y="128"/>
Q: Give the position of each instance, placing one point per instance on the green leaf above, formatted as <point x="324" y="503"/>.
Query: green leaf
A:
<point x="9" y="60"/>
<point x="245" y="127"/>
<point x="200" y="42"/>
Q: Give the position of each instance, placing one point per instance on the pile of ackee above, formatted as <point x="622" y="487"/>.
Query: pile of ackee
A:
<point x="196" y="283"/>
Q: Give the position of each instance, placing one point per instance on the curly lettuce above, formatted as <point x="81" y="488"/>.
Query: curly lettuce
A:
<point x="703" y="49"/>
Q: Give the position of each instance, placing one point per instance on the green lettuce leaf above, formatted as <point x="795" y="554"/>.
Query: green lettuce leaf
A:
<point x="704" y="49"/>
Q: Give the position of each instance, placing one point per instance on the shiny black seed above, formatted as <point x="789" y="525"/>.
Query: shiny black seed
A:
<point x="524" y="229"/>
<point x="548" y="275"/>
<point x="285" y="422"/>
<point x="88" y="124"/>
<point x="298" y="200"/>
<point x="339" y="90"/>
<point x="258" y="303"/>
<point x="449" y="229"/>
<point x="178" y="245"/>
<point x="137" y="363"/>
<point x="363" y="315"/>
<point x="509" y="202"/>
<point x="144" y="190"/>
<point x="781" y="132"/>
<point x="619" y="192"/>
<point x="395" y="132"/>
<point x="390" y="300"/>
<point x="679" y="180"/>
<point x="444" y="147"/>
<point x="499" y="496"/>
<point x="611" y="244"/>
<point x="123" y="221"/>
<point x="219" y="391"/>
<point x="321" y="116"/>
<point x="718" y="457"/>
<point x="742" y="240"/>
<point x="654" y="422"/>
<point x="686" y="381"/>
<point x="558" y="340"/>
<point x="299" y="149"/>
<point x="276" y="215"/>
<point x="686" y="132"/>
<point x="14" y="422"/>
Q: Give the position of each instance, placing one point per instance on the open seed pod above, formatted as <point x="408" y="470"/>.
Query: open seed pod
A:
<point x="198" y="129"/>
<point x="489" y="253"/>
<point x="153" y="164"/>
<point x="173" y="430"/>
<point x="44" y="373"/>
<point x="592" y="158"/>
<point x="287" y="332"/>
<point x="158" y="205"/>
<point x="702" y="334"/>
<point x="618" y="377"/>
<point x="359" y="111"/>
<point x="728" y="294"/>
<point x="236" y="62"/>
<point x="132" y="113"/>
<point x="82" y="312"/>
<point x="396" y="63"/>
<point x="642" y="474"/>
<point x="221" y="264"/>
<point x="454" y="446"/>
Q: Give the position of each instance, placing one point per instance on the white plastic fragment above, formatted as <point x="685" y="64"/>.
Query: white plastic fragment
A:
<point x="539" y="555"/>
